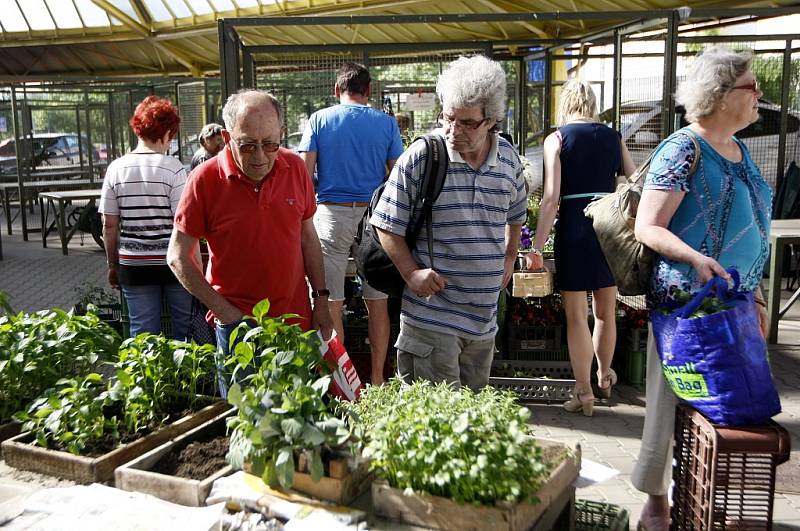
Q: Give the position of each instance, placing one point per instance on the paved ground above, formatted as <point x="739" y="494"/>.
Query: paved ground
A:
<point x="38" y="278"/>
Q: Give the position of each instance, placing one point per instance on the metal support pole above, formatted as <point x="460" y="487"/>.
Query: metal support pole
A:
<point x="670" y="72"/>
<point x="207" y="103"/>
<point x="178" y="134"/>
<point x="548" y="93"/>
<point x="617" y="88"/>
<point x="784" y="120"/>
<point x="522" y="104"/>
<point x="248" y="69"/>
<point x="90" y="155"/>
<point x="18" y="141"/>
<point x="229" y="67"/>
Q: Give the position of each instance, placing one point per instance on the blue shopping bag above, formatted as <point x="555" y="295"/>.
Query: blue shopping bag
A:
<point x="718" y="362"/>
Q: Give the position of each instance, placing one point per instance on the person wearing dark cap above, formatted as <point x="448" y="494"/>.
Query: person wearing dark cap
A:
<point x="211" y="143"/>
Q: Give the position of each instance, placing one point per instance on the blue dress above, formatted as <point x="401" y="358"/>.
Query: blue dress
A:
<point x="590" y="158"/>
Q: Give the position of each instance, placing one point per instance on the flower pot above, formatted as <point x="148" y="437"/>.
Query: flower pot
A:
<point x="138" y="475"/>
<point x="21" y="452"/>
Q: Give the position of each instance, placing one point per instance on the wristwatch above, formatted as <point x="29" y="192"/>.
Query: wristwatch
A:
<point x="316" y="293"/>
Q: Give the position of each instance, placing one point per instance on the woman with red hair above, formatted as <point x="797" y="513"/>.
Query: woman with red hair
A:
<point x="140" y="194"/>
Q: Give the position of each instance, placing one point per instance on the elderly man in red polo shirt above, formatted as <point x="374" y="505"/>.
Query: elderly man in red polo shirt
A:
<point x="254" y="204"/>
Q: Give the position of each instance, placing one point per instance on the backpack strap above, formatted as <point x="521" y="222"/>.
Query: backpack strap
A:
<point x="430" y="188"/>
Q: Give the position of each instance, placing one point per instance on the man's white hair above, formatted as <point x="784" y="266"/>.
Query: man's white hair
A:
<point x="474" y="81"/>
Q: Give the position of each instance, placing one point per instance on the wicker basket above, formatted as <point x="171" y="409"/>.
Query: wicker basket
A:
<point x="533" y="283"/>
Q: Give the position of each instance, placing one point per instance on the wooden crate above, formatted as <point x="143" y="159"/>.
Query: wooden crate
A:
<point x="20" y="452"/>
<point x="436" y="512"/>
<point x="341" y="487"/>
<point x="137" y="475"/>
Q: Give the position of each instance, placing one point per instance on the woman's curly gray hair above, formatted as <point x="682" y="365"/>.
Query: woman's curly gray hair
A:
<point x="711" y="76"/>
<point x="474" y="81"/>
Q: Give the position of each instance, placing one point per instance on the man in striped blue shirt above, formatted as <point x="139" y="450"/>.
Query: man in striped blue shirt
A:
<point x="449" y="313"/>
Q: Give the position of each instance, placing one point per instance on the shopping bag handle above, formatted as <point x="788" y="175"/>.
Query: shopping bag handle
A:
<point x="720" y="287"/>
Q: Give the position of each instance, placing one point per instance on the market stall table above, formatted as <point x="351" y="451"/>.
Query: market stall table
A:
<point x="783" y="232"/>
<point x="57" y="202"/>
<point x="31" y="189"/>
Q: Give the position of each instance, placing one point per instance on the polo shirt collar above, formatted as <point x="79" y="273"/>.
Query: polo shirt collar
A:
<point x="231" y="170"/>
<point x="491" y="157"/>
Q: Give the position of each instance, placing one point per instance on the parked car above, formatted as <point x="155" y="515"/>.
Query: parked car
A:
<point x="46" y="151"/>
<point x="641" y="131"/>
<point x="293" y="140"/>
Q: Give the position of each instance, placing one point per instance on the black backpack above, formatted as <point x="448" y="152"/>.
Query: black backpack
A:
<point x="372" y="263"/>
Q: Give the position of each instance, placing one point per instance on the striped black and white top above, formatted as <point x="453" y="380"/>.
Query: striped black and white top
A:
<point x="143" y="189"/>
<point x="468" y="224"/>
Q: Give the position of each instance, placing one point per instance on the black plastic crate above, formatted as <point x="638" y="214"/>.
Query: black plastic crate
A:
<point x="596" y="516"/>
<point x="523" y="339"/>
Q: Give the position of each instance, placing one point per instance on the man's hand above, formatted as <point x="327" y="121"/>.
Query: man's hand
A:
<point x="508" y="270"/>
<point x="113" y="277"/>
<point x="230" y="315"/>
<point x="425" y="282"/>
<point x="321" y="318"/>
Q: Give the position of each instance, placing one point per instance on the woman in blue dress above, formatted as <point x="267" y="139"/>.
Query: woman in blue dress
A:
<point x="581" y="162"/>
<point x="699" y="224"/>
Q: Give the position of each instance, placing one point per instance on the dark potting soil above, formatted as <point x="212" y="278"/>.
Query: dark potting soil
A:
<point x="197" y="460"/>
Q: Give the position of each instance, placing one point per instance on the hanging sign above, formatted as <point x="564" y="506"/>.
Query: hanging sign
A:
<point x="421" y="101"/>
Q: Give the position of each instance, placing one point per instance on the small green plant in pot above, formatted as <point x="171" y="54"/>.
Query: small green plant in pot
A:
<point x="284" y="406"/>
<point x="433" y="439"/>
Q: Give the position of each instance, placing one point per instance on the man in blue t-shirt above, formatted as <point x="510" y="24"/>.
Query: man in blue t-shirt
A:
<point x="351" y="146"/>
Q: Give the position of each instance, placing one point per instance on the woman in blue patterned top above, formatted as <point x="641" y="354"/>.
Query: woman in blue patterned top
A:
<point x="699" y="224"/>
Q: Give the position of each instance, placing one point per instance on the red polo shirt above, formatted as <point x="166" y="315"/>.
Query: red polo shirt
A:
<point x="253" y="231"/>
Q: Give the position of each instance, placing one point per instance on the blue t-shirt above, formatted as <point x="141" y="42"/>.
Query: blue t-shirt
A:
<point x="353" y="144"/>
<point x="725" y="213"/>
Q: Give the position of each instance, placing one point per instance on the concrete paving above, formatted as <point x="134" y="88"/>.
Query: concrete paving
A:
<point x="37" y="278"/>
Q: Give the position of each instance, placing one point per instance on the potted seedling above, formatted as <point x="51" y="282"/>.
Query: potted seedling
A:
<point x="285" y="430"/>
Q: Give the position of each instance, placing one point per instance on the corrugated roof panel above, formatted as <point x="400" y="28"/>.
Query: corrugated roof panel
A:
<point x="178" y="7"/>
<point x="93" y="16"/>
<point x="201" y="7"/>
<point x="12" y="17"/>
<point x="157" y="10"/>
<point x="125" y="6"/>
<point x="37" y="15"/>
<point x="223" y="5"/>
<point x="65" y="14"/>
<point x="248" y="3"/>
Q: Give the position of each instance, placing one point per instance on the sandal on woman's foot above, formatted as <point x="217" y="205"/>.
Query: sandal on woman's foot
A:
<point x="575" y="404"/>
<point x="605" y="383"/>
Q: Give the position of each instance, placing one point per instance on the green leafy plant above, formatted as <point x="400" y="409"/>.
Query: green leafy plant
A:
<point x="471" y="447"/>
<point x="71" y="415"/>
<point x="155" y="374"/>
<point x="282" y="405"/>
<point x="39" y="349"/>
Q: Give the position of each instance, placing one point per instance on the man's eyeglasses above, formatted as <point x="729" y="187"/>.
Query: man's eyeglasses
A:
<point x="464" y="124"/>
<point x="250" y="147"/>
<point x="752" y="87"/>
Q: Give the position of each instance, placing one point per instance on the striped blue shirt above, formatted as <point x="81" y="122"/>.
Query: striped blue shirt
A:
<point x="468" y="224"/>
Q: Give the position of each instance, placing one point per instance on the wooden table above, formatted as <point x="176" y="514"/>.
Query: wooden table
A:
<point x="57" y="202"/>
<point x="783" y="232"/>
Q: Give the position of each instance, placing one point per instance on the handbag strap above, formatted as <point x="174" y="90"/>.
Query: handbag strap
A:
<point x="718" y="284"/>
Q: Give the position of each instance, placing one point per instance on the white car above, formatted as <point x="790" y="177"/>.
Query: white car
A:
<point x="641" y="131"/>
